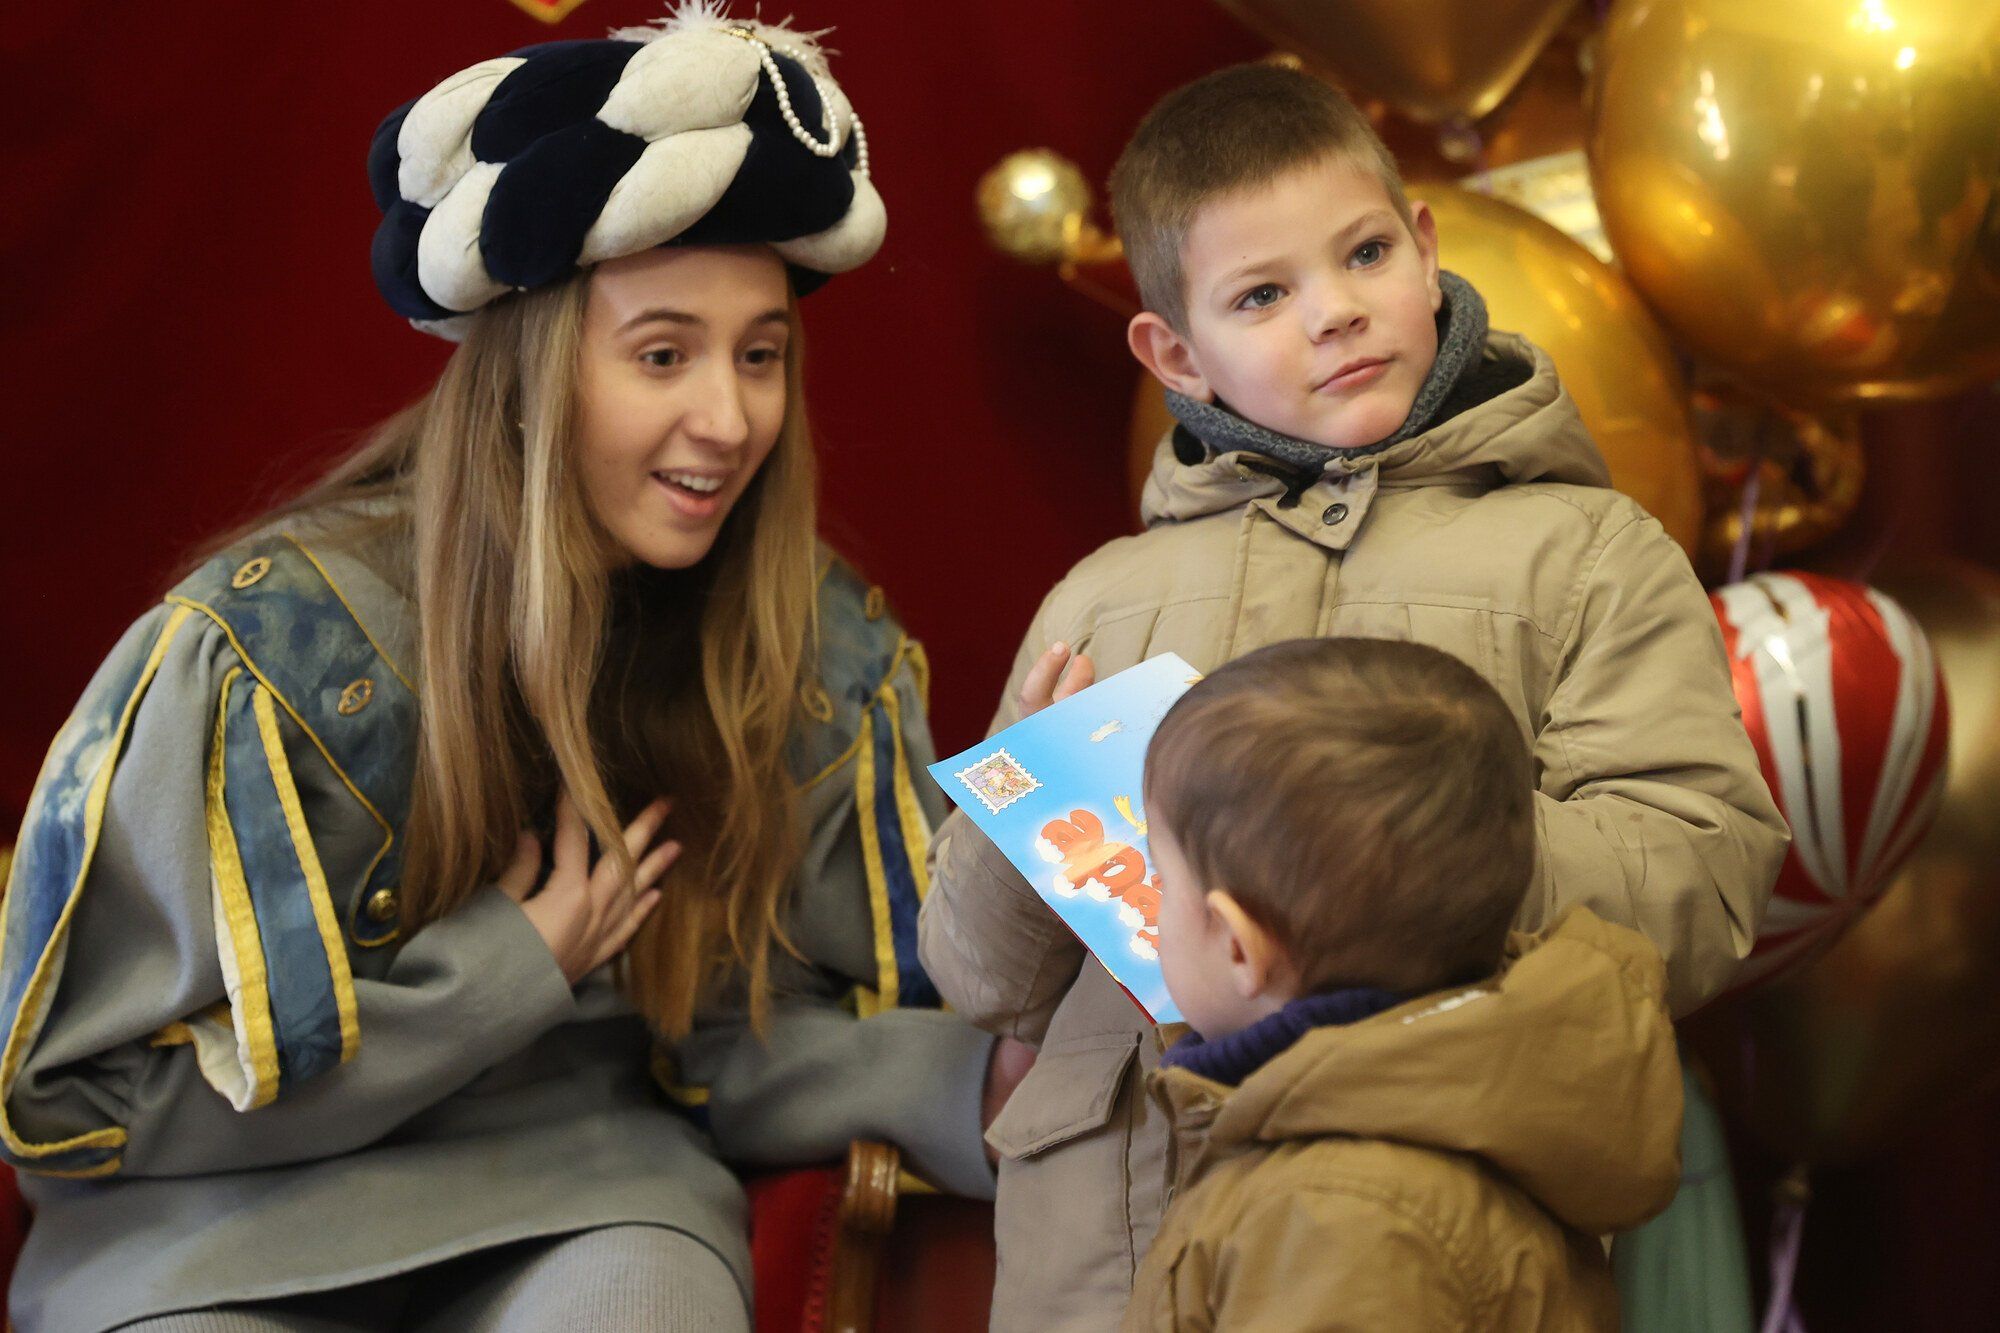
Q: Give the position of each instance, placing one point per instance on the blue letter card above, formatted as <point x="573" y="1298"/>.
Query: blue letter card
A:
<point x="1059" y="793"/>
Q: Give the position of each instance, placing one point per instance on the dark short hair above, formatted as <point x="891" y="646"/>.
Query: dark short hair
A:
<point x="1227" y="131"/>
<point x="1369" y="802"/>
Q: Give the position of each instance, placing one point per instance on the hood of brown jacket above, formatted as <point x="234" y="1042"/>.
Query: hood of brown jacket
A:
<point x="1560" y="1073"/>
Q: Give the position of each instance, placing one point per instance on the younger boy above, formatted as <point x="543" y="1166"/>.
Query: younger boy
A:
<point x="1375" y="1130"/>
<point x="1356" y="456"/>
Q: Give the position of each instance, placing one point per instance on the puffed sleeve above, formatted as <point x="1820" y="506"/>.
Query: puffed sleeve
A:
<point x="854" y="1047"/>
<point x="1001" y="957"/>
<point x="177" y="989"/>
<point x="1652" y="811"/>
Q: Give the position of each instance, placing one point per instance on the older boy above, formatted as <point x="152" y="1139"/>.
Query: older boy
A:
<point x="1356" y="456"/>
<point x="1375" y="1130"/>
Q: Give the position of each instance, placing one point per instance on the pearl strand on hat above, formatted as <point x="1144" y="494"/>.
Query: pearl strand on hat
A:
<point x="799" y="131"/>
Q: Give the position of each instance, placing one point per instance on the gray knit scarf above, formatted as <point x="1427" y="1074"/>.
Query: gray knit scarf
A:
<point x="1209" y="429"/>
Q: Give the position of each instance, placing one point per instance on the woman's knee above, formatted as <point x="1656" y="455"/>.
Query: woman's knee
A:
<point x="645" y="1279"/>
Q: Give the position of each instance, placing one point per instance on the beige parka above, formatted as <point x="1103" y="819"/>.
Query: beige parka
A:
<point x="1494" y="536"/>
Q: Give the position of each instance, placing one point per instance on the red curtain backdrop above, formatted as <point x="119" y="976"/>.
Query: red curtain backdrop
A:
<point x="189" y="327"/>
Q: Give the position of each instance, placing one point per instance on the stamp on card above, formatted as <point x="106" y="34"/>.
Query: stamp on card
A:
<point x="998" y="780"/>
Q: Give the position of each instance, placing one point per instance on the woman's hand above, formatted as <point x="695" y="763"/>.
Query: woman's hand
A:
<point x="1055" y="676"/>
<point x="585" y="913"/>
<point x="1005" y="1068"/>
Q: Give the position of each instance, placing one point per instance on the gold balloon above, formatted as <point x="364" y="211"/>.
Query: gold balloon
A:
<point x="1433" y="60"/>
<point x="1544" y="115"/>
<point x="1808" y="469"/>
<point x="1804" y="189"/>
<point x="1612" y="357"/>
<point x="1897" y="1020"/>
<point x="1033" y="203"/>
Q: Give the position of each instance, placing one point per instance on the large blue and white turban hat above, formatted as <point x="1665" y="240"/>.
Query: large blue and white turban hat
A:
<point x="703" y="129"/>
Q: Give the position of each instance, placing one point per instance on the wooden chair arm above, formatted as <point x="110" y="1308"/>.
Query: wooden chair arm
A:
<point x="867" y="1215"/>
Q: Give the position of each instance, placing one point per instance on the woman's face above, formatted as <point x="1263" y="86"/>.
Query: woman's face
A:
<point x="681" y="393"/>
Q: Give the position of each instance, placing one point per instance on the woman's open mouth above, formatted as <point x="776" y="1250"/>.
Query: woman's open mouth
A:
<point x="695" y="494"/>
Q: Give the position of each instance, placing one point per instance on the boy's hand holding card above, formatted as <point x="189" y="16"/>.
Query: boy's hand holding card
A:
<point x="1059" y="792"/>
<point x="1055" y="676"/>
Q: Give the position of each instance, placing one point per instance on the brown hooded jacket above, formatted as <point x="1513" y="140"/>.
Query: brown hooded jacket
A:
<point x="1449" y="1164"/>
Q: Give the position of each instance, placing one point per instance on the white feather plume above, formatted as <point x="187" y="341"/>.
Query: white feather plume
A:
<point x="704" y="15"/>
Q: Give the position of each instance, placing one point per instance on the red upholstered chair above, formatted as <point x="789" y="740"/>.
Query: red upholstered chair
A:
<point x="847" y="1252"/>
<point x="936" y="1268"/>
<point x="793" y="1217"/>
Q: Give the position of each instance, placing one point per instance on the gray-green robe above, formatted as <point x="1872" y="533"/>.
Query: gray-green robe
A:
<point x="225" y="1079"/>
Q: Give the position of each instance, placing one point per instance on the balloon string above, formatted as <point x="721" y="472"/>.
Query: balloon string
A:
<point x="1462" y="135"/>
<point x="1788" y="1224"/>
<point x="1768" y="553"/>
<point x="1746" y="515"/>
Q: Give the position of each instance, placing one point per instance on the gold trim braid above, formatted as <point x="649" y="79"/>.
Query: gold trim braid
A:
<point x="243" y="964"/>
<point x="328" y="921"/>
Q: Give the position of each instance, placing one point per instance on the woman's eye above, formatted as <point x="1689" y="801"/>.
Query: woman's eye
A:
<point x="663" y="357"/>
<point x="1259" y="297"/>
<point x="1371" y="253"/>
<point x="762" y="357"/>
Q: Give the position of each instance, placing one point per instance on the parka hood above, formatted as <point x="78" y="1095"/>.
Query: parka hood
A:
<point x="1560" y="1073"/>
<point x="1528" y="432"/>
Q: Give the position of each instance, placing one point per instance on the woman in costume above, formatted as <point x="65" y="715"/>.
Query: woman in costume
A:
<point x="347" y="910"/>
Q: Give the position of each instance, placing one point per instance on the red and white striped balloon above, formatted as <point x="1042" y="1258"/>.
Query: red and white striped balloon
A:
<point x="1846" y="706"/>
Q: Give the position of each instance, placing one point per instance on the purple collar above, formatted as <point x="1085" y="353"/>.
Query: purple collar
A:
<point x="1233" y="1058"/>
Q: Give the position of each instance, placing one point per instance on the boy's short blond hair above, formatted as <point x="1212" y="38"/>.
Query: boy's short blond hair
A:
<point x="1230" y="130"/>
<point x="1368" y="802"/>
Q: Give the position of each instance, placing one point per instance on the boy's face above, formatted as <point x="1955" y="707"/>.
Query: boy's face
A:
<point x="1310" y="306"/>
<point x="1196" y="948"/>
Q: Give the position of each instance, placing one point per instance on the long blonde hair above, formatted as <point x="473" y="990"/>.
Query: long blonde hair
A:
<point x="514" y="614"/>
